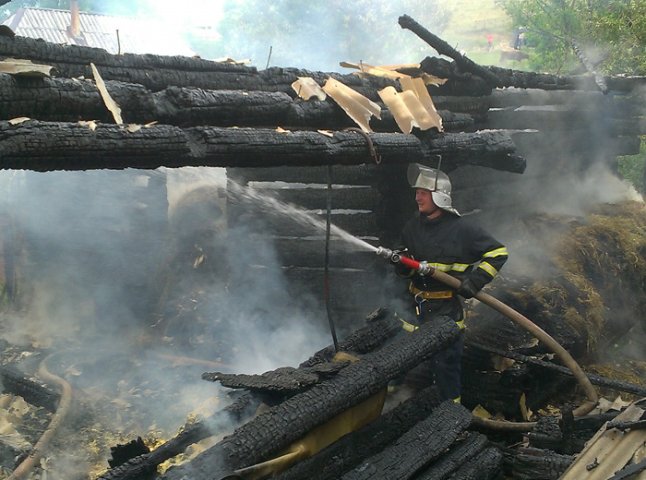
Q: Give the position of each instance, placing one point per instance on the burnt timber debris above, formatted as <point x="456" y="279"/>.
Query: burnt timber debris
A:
<point x="212" y="114"/>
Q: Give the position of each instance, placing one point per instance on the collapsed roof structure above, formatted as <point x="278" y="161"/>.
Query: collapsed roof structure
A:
<point x="501" y="138"/>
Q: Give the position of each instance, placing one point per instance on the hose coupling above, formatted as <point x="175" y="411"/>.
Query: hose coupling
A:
<point x="384" y="252"/>
<point x="425" y="268"/>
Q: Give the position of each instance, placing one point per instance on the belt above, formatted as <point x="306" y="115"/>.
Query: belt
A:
<point x="430" y="295"/>
<point x="409" y="327"/>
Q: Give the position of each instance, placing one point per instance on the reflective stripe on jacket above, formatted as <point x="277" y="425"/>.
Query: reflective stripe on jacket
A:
<point x="455" y="245"/>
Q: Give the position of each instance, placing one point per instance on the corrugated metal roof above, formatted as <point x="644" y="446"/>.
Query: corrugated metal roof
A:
<point x="135" y="35"/>
<point x="611" y="449"/>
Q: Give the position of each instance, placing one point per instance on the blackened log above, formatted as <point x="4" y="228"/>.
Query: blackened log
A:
<point x="157" y="72"/>
<point x="380" y="327"/>
<point x="422" y="444"/>
<point x="284" y="380"/>
<point x="58" y="99"/>
<point x="521" y="79"/>
<point x="44" y="146"/>
<point x="487" y="146"/>
<point x="477" y="107"/>
<point x="546" y="81"/>
<point x="443" y="48"/>
<point x="598" y="380"/>
<point x="486" y="465"/>
<point x="533" y="463"/>
<point x="346" y="453"/>
<point x="463" y="452"/>
<point x="122" y="452"/>
<point x="285" y="423"/>
<point x="17" y="383"/>
<point x="143" y="465"/>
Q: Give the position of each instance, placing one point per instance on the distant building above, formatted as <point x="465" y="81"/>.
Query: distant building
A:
<point x="114" y="34"/>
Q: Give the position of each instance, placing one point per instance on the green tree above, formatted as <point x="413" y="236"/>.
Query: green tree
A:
<point x="610" y="33"/>
<point x="318" y="35"/>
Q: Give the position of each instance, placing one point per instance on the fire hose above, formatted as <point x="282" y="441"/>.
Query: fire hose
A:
<point x="28" y="464"/>
<point x="424" y="268"/>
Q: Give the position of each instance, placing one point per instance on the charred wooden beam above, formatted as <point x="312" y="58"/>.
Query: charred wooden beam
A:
<point x="418" y="447"/>
<point x="443" y="48"/>
<point x="66" y="100"/>
<point x="145" y="464"/>
<point x="380" y="327"/>
<point x="465" y="451"/>
<point x="284" y="380"/>
<point x="594" y="378"/>
<point x="521" y="79"/>
<point x="17" y="383"/>
<point x="44" y="146"/>
<point x="352" y="449"/>
<point x="285" y="423"/>
<point x="157" y="72"/>
<point x="484" y="466"/>
<point x="532" y="463"/>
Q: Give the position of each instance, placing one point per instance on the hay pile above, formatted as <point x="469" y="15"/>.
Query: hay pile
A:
<point x="586" y="284"/>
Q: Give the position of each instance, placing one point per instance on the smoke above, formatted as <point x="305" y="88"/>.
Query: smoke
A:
<point x="137" y="304"/>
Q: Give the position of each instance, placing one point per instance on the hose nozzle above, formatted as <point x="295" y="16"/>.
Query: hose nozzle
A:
<point x="384" y="252"/>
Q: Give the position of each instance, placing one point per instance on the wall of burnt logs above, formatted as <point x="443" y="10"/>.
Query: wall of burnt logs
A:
<point x="501" y="146"/>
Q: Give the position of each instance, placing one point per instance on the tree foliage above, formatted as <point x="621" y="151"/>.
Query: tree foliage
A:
<point x="611" y="33"/>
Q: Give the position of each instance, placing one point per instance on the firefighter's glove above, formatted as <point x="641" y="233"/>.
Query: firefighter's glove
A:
<point x="467" y="289"/>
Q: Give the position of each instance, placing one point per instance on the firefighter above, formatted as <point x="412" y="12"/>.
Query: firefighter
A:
<point x="455" y="245"/>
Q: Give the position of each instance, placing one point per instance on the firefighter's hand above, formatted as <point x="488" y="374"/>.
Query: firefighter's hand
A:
<point x="467" y="289"/>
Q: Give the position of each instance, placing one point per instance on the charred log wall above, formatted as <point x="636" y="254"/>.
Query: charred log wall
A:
<point x="560" y="125"/>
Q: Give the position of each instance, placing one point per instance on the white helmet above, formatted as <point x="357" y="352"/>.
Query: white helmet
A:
<point x="434" y="180"/>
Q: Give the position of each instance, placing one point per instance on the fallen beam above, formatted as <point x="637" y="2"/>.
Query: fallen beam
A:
<point x="46" y="146"/>
<point x="287" y="422"/>
<point x="598" y="380"/>
<point x="418" y="447"/>
<point x="349" y="451"/>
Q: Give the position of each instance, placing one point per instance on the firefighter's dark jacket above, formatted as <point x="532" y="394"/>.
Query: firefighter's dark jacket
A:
<point x="454" y="245"/>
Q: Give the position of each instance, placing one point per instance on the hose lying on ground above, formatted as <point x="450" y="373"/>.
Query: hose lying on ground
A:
<point x="23" y="469"/>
